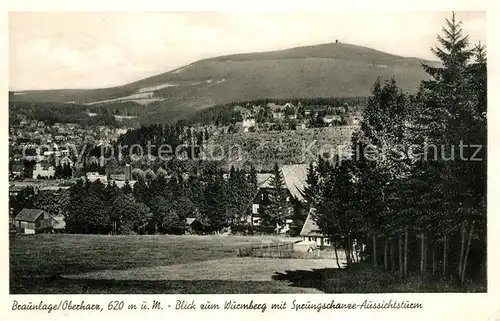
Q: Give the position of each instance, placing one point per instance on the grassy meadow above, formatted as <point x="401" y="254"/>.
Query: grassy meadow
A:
<point x="38" y="262"/>
<point x="167" y="264"/>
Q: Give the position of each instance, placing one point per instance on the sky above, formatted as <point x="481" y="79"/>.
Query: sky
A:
<point x="51" y="50"/>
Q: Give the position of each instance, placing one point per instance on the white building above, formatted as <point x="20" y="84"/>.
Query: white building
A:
<point x="248" y="123"/>
<point x="39" y="171"/>
<point x="311" y="233"/>
<point x="94" y="176"/>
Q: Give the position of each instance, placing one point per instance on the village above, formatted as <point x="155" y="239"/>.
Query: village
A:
<point x="36" y="220"/>
<point x="45" y="160"/>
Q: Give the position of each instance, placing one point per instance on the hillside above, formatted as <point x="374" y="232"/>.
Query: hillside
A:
<point x="326" y="70"/>
<point x="263" y="149"/>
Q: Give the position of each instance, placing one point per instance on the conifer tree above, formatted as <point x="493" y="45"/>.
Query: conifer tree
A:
<point x="252" y="179"/>
<point x="335" y="213"/>
<point x="276" y="211"/>
<point x="449" y="115"/>
<point x="310" y="193"/>
<point x="141" y="191"/>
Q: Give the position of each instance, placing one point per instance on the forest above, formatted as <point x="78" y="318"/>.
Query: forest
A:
<point x="420" y="209"/>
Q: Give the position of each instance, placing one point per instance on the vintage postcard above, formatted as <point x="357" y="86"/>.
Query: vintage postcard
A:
<point x="249" y="164"/>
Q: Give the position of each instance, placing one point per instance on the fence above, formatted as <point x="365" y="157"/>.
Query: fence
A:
<point x="286" y="251"/>
<point x="269" y="250"/>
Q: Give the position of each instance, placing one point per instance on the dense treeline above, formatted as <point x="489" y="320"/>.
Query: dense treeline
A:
<point x="51" y="113"/>
<point x="85" y="115"/>
<point x="161" y="202"/>
<point x="154" y="145"/>
<point x="414" y="189"/>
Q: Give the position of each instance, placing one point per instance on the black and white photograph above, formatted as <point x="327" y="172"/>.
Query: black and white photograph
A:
<point x="247" y="153"/>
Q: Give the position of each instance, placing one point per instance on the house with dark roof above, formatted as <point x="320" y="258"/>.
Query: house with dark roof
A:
<point x="311" y="233"/>
<point x="31" y="221"/>
<point x="264" y="188"/>
<point x="194" y="225"/>
<point x="294" y="183"/>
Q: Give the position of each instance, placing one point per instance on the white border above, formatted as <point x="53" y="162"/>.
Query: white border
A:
<point x="436" y="306"/>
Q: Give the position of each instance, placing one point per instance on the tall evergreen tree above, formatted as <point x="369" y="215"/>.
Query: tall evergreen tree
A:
<point x="141" y="191"/>
<point x="252" y="179"/>
<point x="311" y="191"/>
<point x="451" y="114"/>
<point x="276" y="210"/>
<point x="335" y="213"/>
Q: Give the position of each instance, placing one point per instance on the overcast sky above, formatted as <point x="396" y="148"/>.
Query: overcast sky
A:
<point x="91" y="50"/>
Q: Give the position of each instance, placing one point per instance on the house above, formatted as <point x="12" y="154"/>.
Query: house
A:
<point x="332" y="119"/>
<point x="294" y="182"/>
<point x="194" y="225"/>
<point x="121" y="184"/>
<point x="40" y="172"/>
<point x="247" y="124"/>
<point x="53" y="188"/>
<point x="94" y="176"/>
<point x="311" y="233"/>
<point x="66" y="161"/>
<point x="117" y="177"/>
<point x="278" y="115"/>
<point x="31" y="221"/>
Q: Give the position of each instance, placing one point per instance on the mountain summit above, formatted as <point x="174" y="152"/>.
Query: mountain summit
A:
<point x="325" y="70"/>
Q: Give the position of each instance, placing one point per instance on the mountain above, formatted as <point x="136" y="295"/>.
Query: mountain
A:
<point x="326" y="70"/>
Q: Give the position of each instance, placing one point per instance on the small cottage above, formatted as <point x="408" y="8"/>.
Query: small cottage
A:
<point x="194" y="225"/>
<point x="31" y="221"/>
<point x="311" y="233"/>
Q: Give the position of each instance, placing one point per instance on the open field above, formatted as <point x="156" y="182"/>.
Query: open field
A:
<point x="154" y="264"/>
<point x="82" y="264"/>
<point x="229" y="269"/>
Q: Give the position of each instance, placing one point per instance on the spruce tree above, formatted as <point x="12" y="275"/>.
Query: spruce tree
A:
<point x="311" y="191"/>
<point x="454" y="53"/>
<point x="252" y="179"/>
<point x="141" y="191"/>
<point x="276" y="211"/>
<point x="451" y="112"/>
<point x="335" y="211"/>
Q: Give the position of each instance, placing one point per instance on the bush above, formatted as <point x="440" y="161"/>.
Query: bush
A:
<point x="242" y="229"/>
<point x="262" y="229"/>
